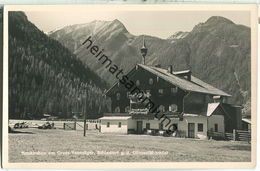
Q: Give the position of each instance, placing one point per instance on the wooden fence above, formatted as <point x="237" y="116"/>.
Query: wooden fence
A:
<point x="229" y="136"/>
<point x="236" y="135"/>
<point x="69" y="126"/>
<point x="216" y="135"/>
<point x="92" y="124"/>
<point x="243" y="135"/>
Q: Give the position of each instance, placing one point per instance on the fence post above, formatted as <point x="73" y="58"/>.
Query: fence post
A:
<point x="234" y="134"/>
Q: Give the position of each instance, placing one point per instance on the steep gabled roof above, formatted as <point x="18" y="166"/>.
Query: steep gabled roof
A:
<point x="211" y="108"/>
<point x="194" y="85"/>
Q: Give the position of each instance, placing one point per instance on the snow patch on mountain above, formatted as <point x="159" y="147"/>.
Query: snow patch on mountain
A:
<point x="177" y="36"/>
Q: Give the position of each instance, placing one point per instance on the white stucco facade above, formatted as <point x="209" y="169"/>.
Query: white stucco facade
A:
<point x="196" y="120"/>
<point x="114" y="125"/>
<point x="111" y="124"/>
<point x="216" y="123"/>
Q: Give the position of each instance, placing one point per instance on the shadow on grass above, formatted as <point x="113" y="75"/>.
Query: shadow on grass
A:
<point x="11" y="131"/>
<point x="239" y="147"/>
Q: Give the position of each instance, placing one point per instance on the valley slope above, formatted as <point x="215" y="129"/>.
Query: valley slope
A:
<point x="45" y="77"/>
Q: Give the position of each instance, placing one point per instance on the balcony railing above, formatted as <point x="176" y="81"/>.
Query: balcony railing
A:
<point x="139" y="111"/>
<point x="137" y="98"/>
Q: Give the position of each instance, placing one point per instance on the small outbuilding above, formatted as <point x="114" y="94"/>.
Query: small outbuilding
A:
<point x="118" y="124"/>
<point x="246" y="124"/>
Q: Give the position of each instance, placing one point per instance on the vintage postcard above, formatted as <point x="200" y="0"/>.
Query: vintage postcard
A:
<point x="130" y="86"/>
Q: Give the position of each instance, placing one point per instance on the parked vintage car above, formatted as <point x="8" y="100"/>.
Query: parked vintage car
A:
<point x="21" y="125"/>
<point x="47" y="125"/>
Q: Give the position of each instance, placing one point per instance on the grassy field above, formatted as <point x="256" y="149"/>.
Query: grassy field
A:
<point x="34" y="145"/>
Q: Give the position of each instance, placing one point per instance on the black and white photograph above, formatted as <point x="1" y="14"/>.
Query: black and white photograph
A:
<point x="145" y="85"/>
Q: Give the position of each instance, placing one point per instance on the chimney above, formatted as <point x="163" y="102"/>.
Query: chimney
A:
<point x="187" y="75"/>
<point x="218" y="99"/>
<point x="170" y="69"/>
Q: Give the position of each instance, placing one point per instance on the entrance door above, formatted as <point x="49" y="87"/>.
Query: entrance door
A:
<point x="139" y="125"/>
<point x="191" y="130"/>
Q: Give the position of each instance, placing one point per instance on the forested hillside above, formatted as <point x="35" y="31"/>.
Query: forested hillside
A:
<point x="45" y="77"/>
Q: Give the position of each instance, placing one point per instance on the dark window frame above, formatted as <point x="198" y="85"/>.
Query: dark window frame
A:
<point x="200" y="127"/>
<point x="171" y="107"/>
<point x="160" y="91"/>
<point x="146" y="126"/>
<point x="117" y="111"/>
<point x="216" y="127"/>
<point x="150" y="81"/>
<point x="118" y="96"/>
<point x="137" y="82"/>
<point x="162" y="107"/>
<point x="175" y="125"/>
<point x="174" y="90"/>
<point x="127" y="108"/>
<point x="161" y="126"/>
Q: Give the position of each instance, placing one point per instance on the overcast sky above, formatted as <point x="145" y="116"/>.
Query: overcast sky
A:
<point x="157" y="23"/>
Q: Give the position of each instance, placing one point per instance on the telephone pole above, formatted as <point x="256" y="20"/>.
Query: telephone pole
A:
<point x="85" y="112"/>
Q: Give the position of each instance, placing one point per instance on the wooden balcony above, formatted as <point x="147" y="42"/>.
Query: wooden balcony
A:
<point x="134" y="98"/>
<point x="144" y="111"/>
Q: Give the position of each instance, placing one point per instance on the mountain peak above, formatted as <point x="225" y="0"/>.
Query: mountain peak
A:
<point x="20" y="15"/>
<point x="96" y="22"/>
<point x="212" y="23"/>
<point x="218" y="20"/>
<point x="117" y="24"/>
<point x="116" y="21"/>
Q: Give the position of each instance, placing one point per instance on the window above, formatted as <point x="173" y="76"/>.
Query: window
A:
<point x="160" y="91"/>
<point x="160" y="126"/>
<point x="174" y="89"/>
<point x="148" y="93"/>
<point x="216" y="127"/>
<point x="127" y="108"/>
<point x="161" y="108"/>
<point x="119" y="124"/>
<point x="174" y="127"/>
<point x="108" y="124"/>
<point x="200" y="127"/>
<point x="117" y="96"/>
<point x="147" y="125"/>
<point x="137" y="83"/>
<point x="173" y="108"/>
<point x="151" y="81"/>
<point x="117" y="109"/>
<point x="149" y="105"/>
